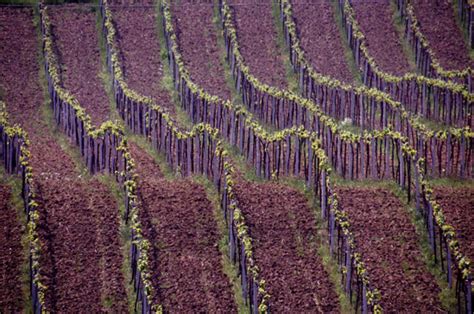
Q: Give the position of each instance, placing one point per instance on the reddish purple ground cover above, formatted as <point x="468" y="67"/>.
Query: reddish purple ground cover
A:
<point x="140" y="50"/>
<point x="197" y="39"/>
<point x="176" y="215"/>
<point x="320" y="38"/>
<point x="77" y="42"/>
<point x="257" y="35"/>
<point x="178" y="220"/>
<point x="11" y="255"/>
<point x="283" y="228"/>
<point x="438" y="24"/>
<point x="388" y="243"/>
<point x="383" y="41"/>
<point x="458" y="208"/>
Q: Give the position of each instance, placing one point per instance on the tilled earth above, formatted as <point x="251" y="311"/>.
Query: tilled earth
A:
<point x="77" y="43"/>
<point x="458" y="208"/>
<point x="320" y="38"/>
<point x="81" y="256"/>
<point x="11" y="255"/>
<point x="197" y="40"/>
<point x="438" y="24"/>
<point x="257" y="38"/>
<point x="140" y="51"/>
<point x="176" y="215"/>
<point x="387" y="241"/>
<point x="383" y="41"/>
<point x="178" y="220"/>
<point x="283" y="228"/>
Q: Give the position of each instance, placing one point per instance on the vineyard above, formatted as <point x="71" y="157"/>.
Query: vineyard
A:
<point x="180" y="156"/>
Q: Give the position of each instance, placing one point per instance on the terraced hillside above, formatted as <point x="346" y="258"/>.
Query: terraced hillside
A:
<point x="225" y="157"/>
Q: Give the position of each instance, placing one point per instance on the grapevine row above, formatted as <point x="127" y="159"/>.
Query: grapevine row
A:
<point x="433" y="99"/>
<point x="466" y="14"/>
<point x="425" y="202"/>
<point x="451" y="102"/>
<point x="138" y="116"/>
<point x="283" y="109"/>
<point x="15" y="156"/>
<point x="197" y="151"/>
<point x="426" y="59"/>
<point x="317" y="169"/>
<point x="104" y="150"/>
<point x="333" y="94"/>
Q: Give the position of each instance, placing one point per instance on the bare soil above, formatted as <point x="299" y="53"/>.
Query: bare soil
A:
<point x="197" y="40"/>
<point x="11" y="255"/>
<point x="257" y="35"/>
<point x="137" y="34"/>
<point x="383" y="41"/>
<point x="77" y="45"/>
<point x="438" y="24"/>
<point x="81" y="255"/>
<point x="283" y="228"/>
<point x="320" y="38"/>
<point x="458" y="207"/>
<point x="388" y="243"/>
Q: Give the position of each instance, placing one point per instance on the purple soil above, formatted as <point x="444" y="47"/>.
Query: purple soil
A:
<point x="382" y="38"/>
<point x="388" y="243"/>
<point x="77" y="235"/>
<point x="77" y="43"/>
<point x="320" y="38"/>
<point x="178" y="220"/>
<point x="197" y="40"/>
<point x="257" y="36"/>
<point x="458" y="208"/>
<point x="81" y="257"/>
<point x="284" y="229"/>
<point x="140" y="49"/>
<point x="438" y="24"/>
<point x="11" y="256"/>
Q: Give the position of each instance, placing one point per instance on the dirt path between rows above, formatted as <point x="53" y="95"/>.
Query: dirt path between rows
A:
<point x="284" y="229"/>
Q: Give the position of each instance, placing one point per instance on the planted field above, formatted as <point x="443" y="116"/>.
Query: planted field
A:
<point x="202" y="57"/>
<point x="140" y="47"/>
<point x="458" y="204"/>
<point x="77" y="44"/>
<point x="178" y="220"/>
<point x="82" y="257"/>
<point x="216" y="186"/>
<point x="176" y="216"/>
<point x="293" y="271"/>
